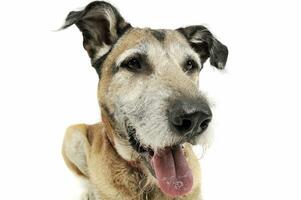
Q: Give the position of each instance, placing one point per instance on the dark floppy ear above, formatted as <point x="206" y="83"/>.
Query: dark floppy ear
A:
<point x="206" y="45"/>
<point x="101" y="26"/>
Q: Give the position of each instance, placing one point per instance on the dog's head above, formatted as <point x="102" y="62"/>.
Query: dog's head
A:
<point x="149" y="88"/>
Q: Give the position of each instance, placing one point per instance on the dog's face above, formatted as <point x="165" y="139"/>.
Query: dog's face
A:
<point x="149" y="80"/>
<point x="149" y="83"/>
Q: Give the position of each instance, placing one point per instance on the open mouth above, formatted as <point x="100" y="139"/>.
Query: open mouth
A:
<point x="135" y="143"/>
<point x="169" y="165"/>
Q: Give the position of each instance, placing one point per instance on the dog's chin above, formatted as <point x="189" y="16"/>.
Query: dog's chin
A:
<point x="168" y="165"/>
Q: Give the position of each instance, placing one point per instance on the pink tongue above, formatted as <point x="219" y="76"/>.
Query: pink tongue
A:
<point x="172" y="171"/>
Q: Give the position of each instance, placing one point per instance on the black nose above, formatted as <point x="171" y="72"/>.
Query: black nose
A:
<point x="190" y="118"/>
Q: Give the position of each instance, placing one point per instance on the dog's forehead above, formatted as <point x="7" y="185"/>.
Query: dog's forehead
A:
<point x="163" y="36"/>
<point x="153" y="40"/>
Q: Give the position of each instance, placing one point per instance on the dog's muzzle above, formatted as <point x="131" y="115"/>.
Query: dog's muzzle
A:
<point x="187" y="119"/>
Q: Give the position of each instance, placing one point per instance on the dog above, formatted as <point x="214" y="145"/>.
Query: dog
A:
<point x="151" y="108"/>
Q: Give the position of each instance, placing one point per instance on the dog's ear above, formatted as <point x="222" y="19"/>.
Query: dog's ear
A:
<point x="206" y="45"/>
<point x="101" y="26"/>
<point x="76" y="147"/>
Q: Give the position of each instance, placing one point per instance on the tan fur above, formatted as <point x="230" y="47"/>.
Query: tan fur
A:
<point x="128" y="41"/>
<point x="113" y="178"/>
<point x="110" y="176"/>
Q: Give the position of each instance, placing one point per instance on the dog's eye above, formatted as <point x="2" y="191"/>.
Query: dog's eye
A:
<point x="132" y="64"/>
<point x="190" y="66"/>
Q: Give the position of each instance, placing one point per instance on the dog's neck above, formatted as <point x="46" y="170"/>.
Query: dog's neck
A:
<point x="109" y="143"/>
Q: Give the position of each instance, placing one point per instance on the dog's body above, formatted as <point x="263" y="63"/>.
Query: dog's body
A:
<point x="152" y="110"/>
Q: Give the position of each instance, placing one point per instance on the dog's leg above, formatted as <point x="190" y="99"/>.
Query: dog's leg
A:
<point x="88" y="196"/>
<point x="75" y="148"/>
<point x="85" y="196"/>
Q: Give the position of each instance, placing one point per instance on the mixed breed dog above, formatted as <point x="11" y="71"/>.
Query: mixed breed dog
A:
<point x="151" y="108"/>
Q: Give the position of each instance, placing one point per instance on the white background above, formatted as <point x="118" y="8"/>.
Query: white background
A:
<point x="46" y="84"/>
